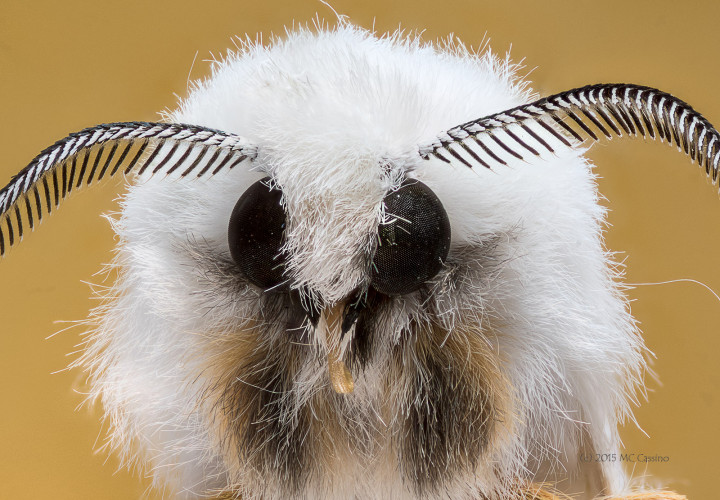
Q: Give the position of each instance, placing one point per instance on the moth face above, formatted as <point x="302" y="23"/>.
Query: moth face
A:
<point x="325" y="295"/>
<point x="287" y="309"/>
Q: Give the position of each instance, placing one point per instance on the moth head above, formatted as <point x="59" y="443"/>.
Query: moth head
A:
<point x="323" y="268"/>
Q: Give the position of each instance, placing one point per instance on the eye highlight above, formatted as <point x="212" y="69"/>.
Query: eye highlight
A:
<point x="414" y="244"/>
<point x="256" y="234"/>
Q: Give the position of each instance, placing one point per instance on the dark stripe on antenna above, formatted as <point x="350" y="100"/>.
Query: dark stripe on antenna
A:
<point x="182" y="159"/>
<point x="489" y="151"/>
<point x="71" y="177"/>
<point x="521" y="142"/>
<point x="458" y="156"/>
<point x="140" y="151"/>
<point x="582" y="125"/>
<point x="163" y="160"/>
<point x="209" y="164"/>
<point x="620" y="117"/>
<point x="631" y="113"/>
<point x="473" y="154"/>
<point x="554" y="132"/>
<point x="128" y="146"/>
<point x="46" y="188"/>
<point x="19" y="221"/>
<point x="559" y="121"/>
<point x="539" y="139"/>
<point x="11" y="233"/>
<point x="150" y="158"/>
<point x="647" y="119"/>
<point x="28" y="208"/>
<point x="610" y="121"/>
<point x="669" y="121"/>
<point x="83" y="167"/>
<point x="595" y="121"/>
<point x="439" y="156"/>
<point x="232" y="165"/>
<point x="108" y="161"/>
<point x="502" y="145"/>
<point x="96" y="162"/>
<point x="685" y="131"/>
<point x="659" y="123"/>
<point x="56" y="187"/>
<point x="64" y="179"/>
<point x="38" y="203"/>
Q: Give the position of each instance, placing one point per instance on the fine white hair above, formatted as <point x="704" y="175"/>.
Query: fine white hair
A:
<point x="337" y="116"/>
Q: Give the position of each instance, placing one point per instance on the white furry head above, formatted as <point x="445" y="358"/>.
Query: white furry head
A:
<point x="497" y="371"/>
<point x="516" y="357"/>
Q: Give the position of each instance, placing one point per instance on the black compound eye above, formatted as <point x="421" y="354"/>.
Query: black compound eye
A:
<point x="256" y="234"/>
<point x="414" y="244"/>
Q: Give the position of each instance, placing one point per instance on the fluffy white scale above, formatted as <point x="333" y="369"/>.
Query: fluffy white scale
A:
<point x="337" y="116"/>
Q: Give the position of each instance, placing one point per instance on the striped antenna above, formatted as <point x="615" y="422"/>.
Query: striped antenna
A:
<point x="95" y="153"/>
<point x="570" y="118"/>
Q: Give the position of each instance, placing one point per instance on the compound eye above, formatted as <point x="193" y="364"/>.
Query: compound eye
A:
<point x="256" y="234"/>
<point x="415" y="242"/>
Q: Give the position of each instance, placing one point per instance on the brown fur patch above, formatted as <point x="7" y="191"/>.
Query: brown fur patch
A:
<point x="456" y="405"/>
<point x="266" y="436"/>
<point x="444" y="407"/>
<point x="247" y="405"/>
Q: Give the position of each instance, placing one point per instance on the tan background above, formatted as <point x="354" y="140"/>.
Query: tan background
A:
<point x="67" y="65"/>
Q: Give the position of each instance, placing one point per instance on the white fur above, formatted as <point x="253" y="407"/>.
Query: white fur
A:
<point x="338" y="115"/>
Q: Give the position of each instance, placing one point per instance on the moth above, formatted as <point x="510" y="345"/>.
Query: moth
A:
<point x="353" y="266"/>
